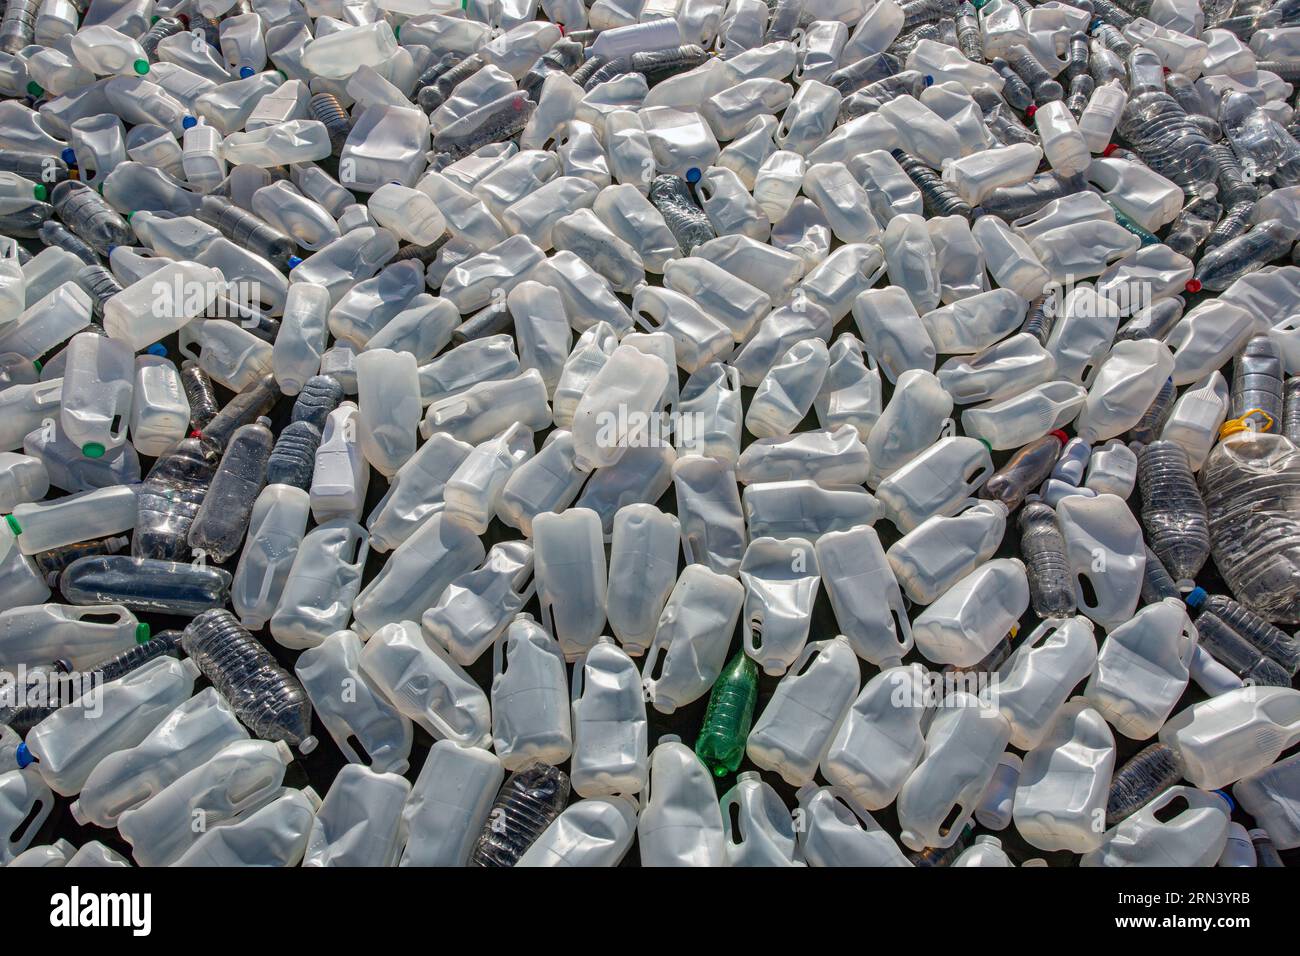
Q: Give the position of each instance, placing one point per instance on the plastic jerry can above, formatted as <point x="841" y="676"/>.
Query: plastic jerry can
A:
<point x="160" y="412"/>
<point x="797" y="726"/>
<point x="188" y="737"/>
<point x="642" y="572"/>
<point x="589" y="833"/>
<point x="1193" y="833"/>
<point x="962" y="747"/>
<point x="98" y="382"/>
<point x="864" y="594"/>
<point x="81" y="636"/>
<point x="610" y="733"/>
<point x="426" y="685"/>
<point x="938" y="481"/>
<point x="680" y="823"/>
<point x="25" y="804"/>
<point x="1060" y="800"/>
<point x="275" y="531"/>
<point x="276" y="834"/>
<point x="781" y="583"/>
<point x="571" y="577"/>
<point x="709" y="509"/>
<point x="1038" y="677"/>
<point x="42" y="525"/>
<point x="833" y="831"/>
<point x="322" y="584"/>
<point x="757" y="825"/>
<point x="1235" y="734"/>
<point x="881" y="740"/>
<point x="1107" y="557"/>
<point x="360" y="821"/>
<point x="1142" y="668"/>
<point x="692" y="638"/>
<point x="941" y="550"/>
<point x="72" y="741"/>
<point x="352" y="707"/>
<point x="1112" y="470"/>
<point x="449" y="804"/>
<point x="972" y="616"/>
<point x="531" y="722"/>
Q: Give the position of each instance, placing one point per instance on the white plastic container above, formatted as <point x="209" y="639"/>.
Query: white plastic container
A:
<point x="692" y="638"/>
<point x="642" y="572"/>
<point x="972" y="616"/>
<point x="153" y="307"/>
<point x="798" y="724"/>
<point x="1038" y="677"/>
<point x="616" y="408"/>
<point x="914" y="419"/>
<point x="781" y="583"/>
<point x="938" y="481"/>
<point x="835" y="832"/>
<point x="360" y="821"/>
<point x="449" y="804"/>
<point x="272" y="835"/>
<point x="864" y="595"/>
<point x="1235" y="734"/>
<point x="352" y="707"/>
<point x="530" y="698"/>
<point x="35" y="635"/>
<point x="322" y="584"/>
<point x="426" y="685"/>
<point x="1126" y="383"/>
<point x="416" y="491"/>
<point x="680" y="822"/>
<point x="1142" y="669"/>
<point x="1103" y="543"/>
<point x="478" y="605"/>
<point x="98" y="382"/>
<point x="610" y="733"/>
<point x="42" y="525"/>
<point x="25" y="804"/>
<point x="758" y="827"/>
<point x="941" y="550"/>
<point x="275" y="531"/>
<point x="962" y="747"/>
<point x="1193" y="836"/>
<point x="388" y="396"/>
<point x="589" y="833"/>
<point x="571" y="577"/>
<point x="1271" y="796"/>
<point x="160" y="412"/>
<point x="1065" y="780"/>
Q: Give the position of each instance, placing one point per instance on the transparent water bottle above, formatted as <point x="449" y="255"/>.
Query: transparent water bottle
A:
<point x="144" y="584"/>
<point x="266" y="697"/>
<point x="1051" y="587"/>
<point x="1147" y="774"/>
<point x="1224" y="611"/>
<point x="1173" y="512"/>
<point x="219" y="526"/>
<point x="525" y="806"/>
<point x="1256" y="384"/>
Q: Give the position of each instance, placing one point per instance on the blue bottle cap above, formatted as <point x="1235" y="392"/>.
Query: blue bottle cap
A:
<point x="157" y="349"/>
<point x="693" y="175"/>
<point x="245" y="72"/>
<point x="68" y="156"/>
<point x="24" y="756"/>
<point x="294" y="260"/>
<point x="189" y="122"/>
<point x="1195" y="598"/>
<point x="929" y="80"/>
<point x="1232" y="804"/>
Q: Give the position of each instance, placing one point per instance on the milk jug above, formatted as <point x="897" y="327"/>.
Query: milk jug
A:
<point x="322" y="584"/>
<point x="709" y="508"/>
<point x="972" y="616"/>
<point x="680" y="822"/>
<point x="864" y="594"/>
<point x="1061" y="798"/>
<point x="938" y="481"/>
<point x="1234" y="735"/>
<point x="915" y="417"/>
<point x="1270" y="796"/>
<point x="351" y="705"/>
<point x="473" y="491"/>
<point x="941" y="550"/>
<point x="781" y="583"/>
<point x="341" y="476"/>
<point x="962" y="748"/>
<point x="1103" y="543"/>
<point x="98" y="383"/>
<point x="757" y="825"/>
<point x="692" y="638"/>
<point x="1142" y="668"/>
<point x="1194" y="835"/>
<point x="571" y="577"/>
<point x="415" y="491"/>
<point x="25" y="804"/>
<point x="81" y="636"/>
<point x="360" y="821"/>
<point x="273" y="835"/>
<point x="880" y="741"/>
<point x="530" y="697"/>
<point x="478" y="605"/>
<point x="892" y="331"/>
<point x="1039" y="675"/>
<point x="449" y="803"/>
<point x="642" y="572"/>
<point x="797" y="726"/>
<point x="275" y="531"/>
<point x="833" y="831"/>
<point x="1126" y="383"/>
<point x="594" y="832"/>
<point x="426" y="685"/>
<point x="1197" y="416"/>
<point x="610" y="733"/>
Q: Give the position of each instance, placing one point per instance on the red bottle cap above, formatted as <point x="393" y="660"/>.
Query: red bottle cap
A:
<point x="1060" y="436"/>
<point x="1193" y="285"/>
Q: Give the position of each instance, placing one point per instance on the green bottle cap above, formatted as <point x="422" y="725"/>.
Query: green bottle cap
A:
<point x="36" y="364"/>
<point x="13" y="524"/>
<point x="142" y="632"/>
<point x="141" y="66"/>
<point x="35" y="89"/>
<point x="40" y="192"/>
<point x="93" y="449"/>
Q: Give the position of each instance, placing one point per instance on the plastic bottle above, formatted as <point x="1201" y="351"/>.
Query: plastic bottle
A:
<point x="1172" y="510"/>
<point x="360" y="821"/>
<point x="642" y="572"/>
<point x="263" y="695"/>
<point x="1145" y="775"/>
<point x="528" y="802"/>
<point x="609" y="724"/>
<point x="322" y="585"/>
<point x="219" y="526"/>
<point x="1194" y="836"/>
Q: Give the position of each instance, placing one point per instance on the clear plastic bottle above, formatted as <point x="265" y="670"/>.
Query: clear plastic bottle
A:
<point x="1225" y="264"/>
<point x="219" y="526"/>
<point x="263" y="694"/>
<point x="1225" y="612"/>
<point x="1145" y="775"/>
<point x="525" y="806"/>
<point x="1024" y="471"/>
<point x="1043" y="548"/>
<point x="144" y="584"/>
<point x="319" y="396"/>
<point x="1173" y="511"/>
<point x="1257" y="384"/>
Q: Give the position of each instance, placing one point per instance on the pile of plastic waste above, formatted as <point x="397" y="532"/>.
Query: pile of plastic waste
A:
<point x="701" y="432"/>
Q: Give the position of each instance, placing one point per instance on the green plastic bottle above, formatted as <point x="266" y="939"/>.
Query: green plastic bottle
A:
<point x="721" y="744"/>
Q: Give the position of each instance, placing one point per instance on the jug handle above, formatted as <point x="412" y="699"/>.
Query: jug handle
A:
<point x="948" y="428"/>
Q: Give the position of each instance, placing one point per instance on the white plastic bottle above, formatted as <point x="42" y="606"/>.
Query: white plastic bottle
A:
<point x="275" y="531"/>
<point x="1103" y="543"/>
<point x="1193" y="836"/>
<point x="940" y="551"/>
<point x="610" y="732"/>
<point x="1064" y="145"/>
<point x="98" y="381"/>
<point x="388" y="396"/>
<point x="360" y="821"/>
<point x="969" y="619"/>
<point x="1234" y="734"/>
<point x="449" y="804"/>
<point x="160" y="412"/>
<point x="835" y="832"/>
<point x="478" y="605"/>
<point x="25" y="804"/>
<point x="82" y="636"/>
<point x="680" y="822"/>
<point x="938" y="481"/>
<point x="692" y="638"/>
<point x="272" y="835"/>
<point x="1039" y="675"/>
<point x="352" y="707"/>
<point x="796" y="727"/>
<point x="781" y="583"/>
<point x="531" y="721"/>
<point x="73" y="518"/>
<point x="322" y="584"/>
<point x="758" y="826"/>
<point x="571" y="577"/>
<point x="864" y="594"/>
<point x="642" y="572"/>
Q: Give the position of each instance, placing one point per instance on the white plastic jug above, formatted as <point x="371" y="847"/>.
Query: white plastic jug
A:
<point x="835" y="832"/>
<point x="1142" y="668"/>
<point x="972" y="616"/>
<point x="589" y="833"/>
<point x="938" y="481"/>
<point x="1103" y="543"/>
<point x="478" y="605"/>
<point x="642" y="572"/>
<point x="449" y="804"/>
<point x="1235" y="734"/>
<point x="571" y="577"/>
<point x="273" y="835"/>
<point x="864" y="594"/>
<point x="360" y="821"/>
<point x="1037" y="678"/>
<point x="1125" y="385"/>
<point x="680" y="822"/>
<point x="758" y="826"/>
<point x="531" y="721"/>
<point x="941" y="550"/>
<point x="610" y="732"/>
<point x="692" y="638"/>
<point x="781" y="583"/>
<point x="275" y="531"/>
<point x="25" y="804"/>
<point x="322" y="584"/>
<point x="1193" y="834"/>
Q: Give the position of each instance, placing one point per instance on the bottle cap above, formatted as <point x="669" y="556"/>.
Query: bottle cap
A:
<point x="68" y="156"/>
<point x="1195" y="598"/>
<point x="1030" y="110"/>
<point x="1193" y="286"/>
<point x="1227" y="798"/>
<point x="35" y="90"/>
<point x="157" y="349"/>
<point x="693" y="175"/>
<point x="189" y="122"/>
<point x="93" y="449"/>
<point x="40" y="192"/>
<point x="1060" y="436"/>
<point x="24" y="756"/>
<point x="142" y="633"/>
<point x="245" y="72"/>
<point x="141" y="67"/>
<point x="1110" y="148"/>
<point x="13" y="524"/>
